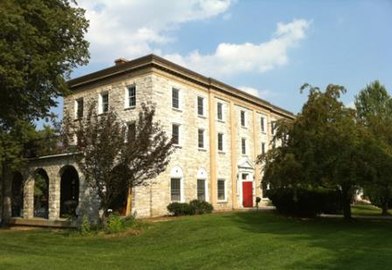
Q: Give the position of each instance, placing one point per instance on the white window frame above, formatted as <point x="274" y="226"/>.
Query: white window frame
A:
<point x="179" y="133"/>
<point x="176" y="173"/>
<point x="202" y="175"/>
<point x="244" y="147"/>
<point x="203" y="138"/>
<point x="127" y="97"/>
<point x="178" y="98"/>
<point x="243" y="120"/>
<point x="219" y="104"/>
<point x="77" y="108"/>
<point x="223" y="144"/>
<point x="225" y="190"/>
<point x="203" y="111"/>
<point x="100" y="102"/>
<point x="262" y="124"/>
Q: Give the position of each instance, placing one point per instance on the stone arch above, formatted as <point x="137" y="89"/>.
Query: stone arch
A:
<point x="17" y="188"/>
<point x="177" y="184"/>
<point x="41" y="193"/>
<point x="69" y="191"/>
<point x="120" y="200"/>
<point x="202" y="185"/>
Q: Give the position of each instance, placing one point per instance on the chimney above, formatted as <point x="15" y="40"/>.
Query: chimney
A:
<point x="120" y="61"/>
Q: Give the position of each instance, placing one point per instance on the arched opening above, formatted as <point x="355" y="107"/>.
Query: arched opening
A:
<point x="69" y="191"/>
<point x="119" y="192"/>
<point x="176" y="185"/>
<point x="41" y="193"/>
<point x="17" y="195"/>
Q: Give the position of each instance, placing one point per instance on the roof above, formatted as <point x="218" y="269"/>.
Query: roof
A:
<point x="152" y="60"/>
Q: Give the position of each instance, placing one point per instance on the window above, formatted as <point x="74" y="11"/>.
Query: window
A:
<point x="201" y="138"/>
<point x="131" y="131"/>
<point x="79" y="108"/>
<point x="176" y="133"/>
<point x="263" y="148"/>
<point x="262" y="124"/>
<point x="219" y="110"/>
<point x="131" y="96"/>
<point x="200" y="106"/>
<point x="220" y="141"/>
<point x="221" y="190"/>
<point x="243" y="118"/>
<point x="104" y="98"/>
<point x="175" y="191"/>
<point x="175" y="98"/>
<point x="243" y="146"/>
<point x="201" y="189"/>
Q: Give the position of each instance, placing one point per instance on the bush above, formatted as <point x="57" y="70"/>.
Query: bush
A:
<point x="114" y="224"/>
<point x="201" y="207"/>
<point x="180" y="209"/>
<point x="85" y="226"/>
<point x="192" y="208"/>
<point x="305" y="202"/>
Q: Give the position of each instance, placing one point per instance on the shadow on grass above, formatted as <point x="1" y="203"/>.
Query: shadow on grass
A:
<point x="359" y="244"/>
<point x="340" y="244"/>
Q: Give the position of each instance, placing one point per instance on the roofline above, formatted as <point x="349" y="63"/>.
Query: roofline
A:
<point x="158" y="62"/>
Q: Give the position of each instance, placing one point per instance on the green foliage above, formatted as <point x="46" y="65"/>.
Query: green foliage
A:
<point x="180" y="209"/>
<point x="201" y="207"/>
<point x="194" y="207"/>
<point x="322" y="147"/>
<point x="85" y="226"/>
<point x="40" y="43"/>
<point x="305" y="202"/>
<point x="115" y="223"/>
<point x="115" y="160"/>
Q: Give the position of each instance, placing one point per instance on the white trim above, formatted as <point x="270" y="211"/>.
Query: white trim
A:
<point x="176" y="172"/>
<point x="217" y="190"/>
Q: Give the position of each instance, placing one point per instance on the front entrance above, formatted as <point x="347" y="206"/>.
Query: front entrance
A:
<point x="247" y="194"/>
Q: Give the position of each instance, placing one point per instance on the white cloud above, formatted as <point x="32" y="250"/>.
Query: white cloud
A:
<point x="230" y="58"/>
<point x="131" y="28"/>
<point x="255" y="92"/>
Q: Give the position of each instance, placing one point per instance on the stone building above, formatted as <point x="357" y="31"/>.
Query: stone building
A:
<point x="219" y="131"/>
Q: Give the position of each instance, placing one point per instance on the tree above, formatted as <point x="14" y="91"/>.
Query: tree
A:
<point x="322" y="147"/>
<point x="374" y="112"/>
<point x="40" y="43"/>
<point x="117" y="158"/>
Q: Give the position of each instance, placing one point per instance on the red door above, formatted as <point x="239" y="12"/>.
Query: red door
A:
<point x="247" y="198"/>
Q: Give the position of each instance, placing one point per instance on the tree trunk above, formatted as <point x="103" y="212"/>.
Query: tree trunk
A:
<point x="385" y="208"/>
<point x="346" y="201"/>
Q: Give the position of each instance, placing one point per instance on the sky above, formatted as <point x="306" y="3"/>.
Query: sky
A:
<point x="266" y="48"/>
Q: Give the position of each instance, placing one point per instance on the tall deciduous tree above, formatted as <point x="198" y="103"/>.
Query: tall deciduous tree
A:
<point x="321" y="147"/>
<point x="115" y="157"/>
<point x="374" y="112"/>
<point x="41" y="41"/>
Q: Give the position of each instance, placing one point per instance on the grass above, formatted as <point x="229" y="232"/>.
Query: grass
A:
<point x="366" y="210"/>
<point x="243" y="240"/>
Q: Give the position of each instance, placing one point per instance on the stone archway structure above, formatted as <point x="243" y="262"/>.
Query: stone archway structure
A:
<point x="66" y="186"/>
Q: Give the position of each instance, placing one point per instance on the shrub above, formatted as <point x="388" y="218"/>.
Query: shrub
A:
<point x="114" y="224"/>
<point x="201" y="207"/>
<point x="180" y="209"/>
<point x="85" y="226"/>
<point x="305" y="202"/>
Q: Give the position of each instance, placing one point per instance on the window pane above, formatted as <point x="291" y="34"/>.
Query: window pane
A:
<point x="221" y="190"/>
<point x="219" y="111"/>
<point x="262" y="124"/>
<point x="263" y="148"/>
<point x="220" y="141"/>
<point x="79" y="104"/>
<point x="105" y="102"/>
<point x="175" y="134"/>
<point x="201" y="138"/>
<point x="201" y="190"/>
<point x="200" y="109"/>
<point x="242" y="118"/>
<point x="243" y="146"/>
<point x="175" y="189"/>
<point x="175" y="98"/>
<point x="132" y="96"/>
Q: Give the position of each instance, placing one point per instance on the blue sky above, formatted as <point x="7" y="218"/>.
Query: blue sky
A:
<point x="268" y="48"/>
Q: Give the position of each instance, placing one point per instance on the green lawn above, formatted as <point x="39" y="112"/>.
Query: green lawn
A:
<point x="244" y="240"/>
